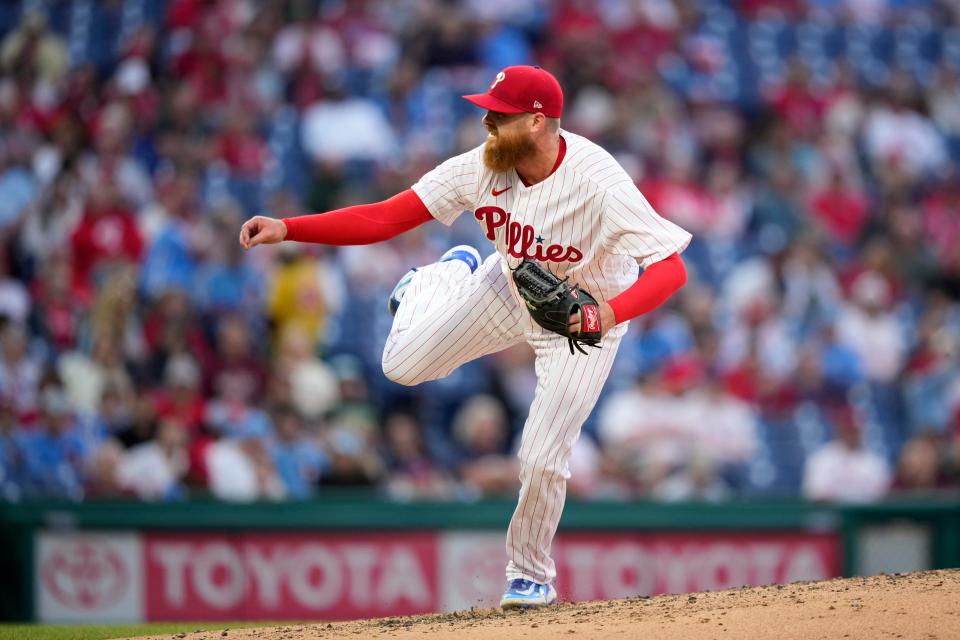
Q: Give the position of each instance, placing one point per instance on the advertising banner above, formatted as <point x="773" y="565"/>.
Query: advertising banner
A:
<point x="194" y="576"/>
<point x="600" y="566"/>
<point x="273" y="576"/>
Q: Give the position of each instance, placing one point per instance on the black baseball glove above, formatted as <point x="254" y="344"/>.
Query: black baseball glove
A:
<point x="551" y="302"/>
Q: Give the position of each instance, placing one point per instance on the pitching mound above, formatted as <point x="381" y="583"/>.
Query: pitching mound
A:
<point x="925" y="606"/>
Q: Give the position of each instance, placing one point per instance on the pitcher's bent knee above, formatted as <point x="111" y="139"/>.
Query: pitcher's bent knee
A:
<point x="404" y="373"/>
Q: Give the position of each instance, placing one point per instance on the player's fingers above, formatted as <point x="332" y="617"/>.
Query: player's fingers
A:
<point x="253" y="228"/>
<point x="256" y="232"/>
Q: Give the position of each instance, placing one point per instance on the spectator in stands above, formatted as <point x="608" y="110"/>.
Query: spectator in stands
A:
<point x="231" y="413"/>
<point x="776" y="218"/>
<point x="236" y="383"/>
<point x="723" y="428"/>
<point x="811" y="292"/>
<point x="155" y="469"/>
<point x="696" y="479"/>
<point x="239" y="146"/>
<point x="57" y="314"/>
<point x="114" y="312"/>
<point x="115" y="417"/>
<point x="645" y="427"/>
<point x="182" y="137"/>
<point x="297" y="455"/>
<point x="15" y="302"/>
<point x="842" y="470"/>
<point x="798" y="104"/>
<point x="826" y="368"/>
<point x="142" y="419"/>
<point x="313" y="386"/>
<point x="54" y="215"/>
<point x="18" y="185"/>
<point x="353" y="390"/>
<point x="895" y="130"/>
<point x="299" y="295"/>
<point x="344" y="128"/>
<point x="941" y="225"/>
<point x="236" y="362"/>
<point x="19" y="371"/>
<point x="481" y="431"/>
<point x="758" y="355"/>
<point x="178" y="237"/>
<point x="226" y="282"/>
<point x="180" y="398"/>
<point x="107" y="234"/>
<point x="111" y="162"/>
<point x="730" y="199"/>
<point x="932" y="390"/>
<point x="242" y="470"/>
<point x="868" y="325"/>
<point x="354" y="459"/>
<point x="921" y="468"/>
<point x="32" y="52"/>
<point x="412" y="474"/>
<point x="86" y="376"/>
<point x="102" y="477"/>
<point x="679" y="195"/>
<point x="840" y="209"/>
<point x="54" y="451"/>
<point x="172" y="328"/>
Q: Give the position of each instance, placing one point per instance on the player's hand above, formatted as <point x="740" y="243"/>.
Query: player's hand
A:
<point x="262" y="230"/>
<point x="607" y="320"/>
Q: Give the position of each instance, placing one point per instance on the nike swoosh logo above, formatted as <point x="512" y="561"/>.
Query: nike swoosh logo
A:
<point x="496" y="193"/>
<point x="529" y="591"/>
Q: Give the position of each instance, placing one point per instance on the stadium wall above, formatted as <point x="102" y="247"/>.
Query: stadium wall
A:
<point x="349" y="555"/>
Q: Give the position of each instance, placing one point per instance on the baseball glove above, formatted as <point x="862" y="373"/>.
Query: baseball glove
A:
<point x="551" y="302"/>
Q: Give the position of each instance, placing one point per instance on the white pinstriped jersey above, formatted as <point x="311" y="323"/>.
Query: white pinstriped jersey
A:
<point x="587" y="220"/>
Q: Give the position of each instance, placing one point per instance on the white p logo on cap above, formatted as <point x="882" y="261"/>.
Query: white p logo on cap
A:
<point x="500" y="78"/>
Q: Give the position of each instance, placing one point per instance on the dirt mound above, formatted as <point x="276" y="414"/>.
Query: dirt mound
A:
<point x="924" y="606"/>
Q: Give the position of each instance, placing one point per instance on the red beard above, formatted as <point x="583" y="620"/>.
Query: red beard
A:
<point x="504" y="151"/>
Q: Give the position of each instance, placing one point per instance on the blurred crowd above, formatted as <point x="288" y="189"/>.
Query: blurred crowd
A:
<point x="811" y="146"/>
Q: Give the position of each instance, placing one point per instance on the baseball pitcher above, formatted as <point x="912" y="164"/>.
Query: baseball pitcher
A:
<point x="569" y="229"/>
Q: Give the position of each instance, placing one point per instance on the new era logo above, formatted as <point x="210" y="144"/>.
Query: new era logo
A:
<point x="537" y="105"/>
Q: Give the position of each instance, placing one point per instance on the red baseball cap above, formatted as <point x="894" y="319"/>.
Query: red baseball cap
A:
<point x="522" y="89"/>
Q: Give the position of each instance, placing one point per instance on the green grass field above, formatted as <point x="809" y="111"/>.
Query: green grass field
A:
<point x="110" y="631"/>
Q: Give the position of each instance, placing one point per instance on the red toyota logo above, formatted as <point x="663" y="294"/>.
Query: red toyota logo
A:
<point x="86" y="574"/>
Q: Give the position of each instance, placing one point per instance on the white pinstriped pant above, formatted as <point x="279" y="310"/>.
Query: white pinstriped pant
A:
<point x="448" y="317"/>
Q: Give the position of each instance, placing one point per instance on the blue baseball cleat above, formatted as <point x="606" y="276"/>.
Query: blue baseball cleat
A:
<point x="527" y="594"/>
<point x="465" y="253"/>
<point x="393" y="302"/>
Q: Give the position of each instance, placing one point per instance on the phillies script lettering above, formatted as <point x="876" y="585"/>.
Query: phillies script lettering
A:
<point x="521" y="238"/>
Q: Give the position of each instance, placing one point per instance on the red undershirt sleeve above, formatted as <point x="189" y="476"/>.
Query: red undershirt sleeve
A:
<point x="654" y="286"/>
<point x="361" y="224"/>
